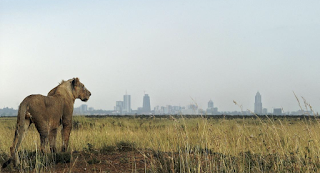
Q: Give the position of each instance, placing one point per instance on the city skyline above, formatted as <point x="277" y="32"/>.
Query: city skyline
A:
<point x="257" y="100"/>
<point x="190" y="109"/>
<point x="179" y="52"/>
<point x="210" y="109"/>
<point x="193" y="109"/>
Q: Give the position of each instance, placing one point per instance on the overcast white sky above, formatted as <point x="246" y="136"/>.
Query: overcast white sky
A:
<point x="175" y="51"/>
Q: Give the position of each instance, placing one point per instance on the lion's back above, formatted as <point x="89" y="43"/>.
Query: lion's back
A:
<point x="40" y="105"/>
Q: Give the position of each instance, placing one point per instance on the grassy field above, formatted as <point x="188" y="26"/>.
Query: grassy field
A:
<point x="175" y="144"/>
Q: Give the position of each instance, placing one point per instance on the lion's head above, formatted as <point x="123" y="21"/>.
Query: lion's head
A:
<point x="79" y="90"/>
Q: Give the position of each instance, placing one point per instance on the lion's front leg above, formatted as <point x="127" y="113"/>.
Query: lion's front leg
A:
<point x="65" y="136"/>
<point x="66" y="121"/>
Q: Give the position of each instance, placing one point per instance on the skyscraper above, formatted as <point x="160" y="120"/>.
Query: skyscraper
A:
<point x="210" y="104"/>
<point x="258" y="104"/>
<point x="146" y="104"/>
<point x="126" y="104"/>
<point x="210" y="108"/>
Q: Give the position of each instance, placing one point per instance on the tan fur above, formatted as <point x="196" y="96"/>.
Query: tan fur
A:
<point x="48" y="113"/>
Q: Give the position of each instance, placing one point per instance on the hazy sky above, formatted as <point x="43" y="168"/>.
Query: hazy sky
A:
<point x="178" y="52"/>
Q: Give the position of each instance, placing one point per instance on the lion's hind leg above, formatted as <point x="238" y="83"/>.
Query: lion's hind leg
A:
<point x="21" y="129"/>
<point x="44" y="131"/>
<point x="52" y="139"/>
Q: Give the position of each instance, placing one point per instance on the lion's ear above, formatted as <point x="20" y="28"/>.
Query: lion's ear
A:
<point x="75" y="82"/>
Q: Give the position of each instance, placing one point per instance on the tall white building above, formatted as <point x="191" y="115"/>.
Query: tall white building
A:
<point x="126" y="104"/>
<point x="258" y="104"/>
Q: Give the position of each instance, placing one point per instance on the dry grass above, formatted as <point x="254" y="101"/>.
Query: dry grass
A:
<point x="190" y="144"/>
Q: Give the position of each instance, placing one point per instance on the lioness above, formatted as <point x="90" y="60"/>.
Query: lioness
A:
<point x="48" y="113"/>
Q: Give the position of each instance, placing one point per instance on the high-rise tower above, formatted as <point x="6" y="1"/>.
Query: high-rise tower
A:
<point x="126" y="104"/>
<point x="146" y="104"/>
<point x="258" y="104"/>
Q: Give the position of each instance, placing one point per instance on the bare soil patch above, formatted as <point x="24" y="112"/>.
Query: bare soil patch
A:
<point x="122" y="161"/>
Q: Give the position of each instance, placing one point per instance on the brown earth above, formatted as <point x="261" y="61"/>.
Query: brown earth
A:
<point x="124" y="161"/>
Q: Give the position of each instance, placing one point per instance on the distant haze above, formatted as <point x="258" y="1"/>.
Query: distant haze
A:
<point x="177" y="52"/>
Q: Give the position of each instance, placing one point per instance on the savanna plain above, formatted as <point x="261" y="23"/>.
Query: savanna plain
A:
<point x="174" y="144"/>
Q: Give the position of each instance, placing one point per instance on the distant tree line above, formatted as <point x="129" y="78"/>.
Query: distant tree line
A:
<point x="8" y="112"/>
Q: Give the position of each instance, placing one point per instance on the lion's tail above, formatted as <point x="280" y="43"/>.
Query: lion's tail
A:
<point x="22" y="112"/>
